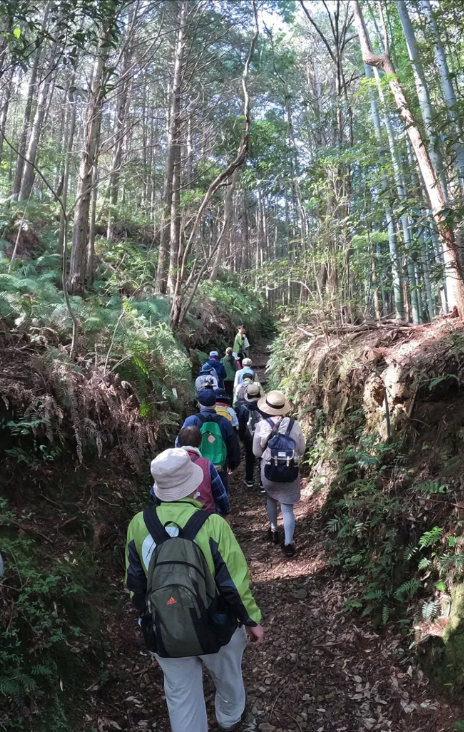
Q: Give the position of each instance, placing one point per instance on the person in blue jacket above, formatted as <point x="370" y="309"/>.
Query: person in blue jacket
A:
<point x="207" y="404"/>
<point x="215" y="362"/>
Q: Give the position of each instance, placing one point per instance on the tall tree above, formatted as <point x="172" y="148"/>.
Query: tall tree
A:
<point x="454" y="274"/>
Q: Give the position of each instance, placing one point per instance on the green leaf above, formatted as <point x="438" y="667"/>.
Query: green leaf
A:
<point x="439" y="379"/>
<point x="17" y="32"/>
<point x="441" y="586"/>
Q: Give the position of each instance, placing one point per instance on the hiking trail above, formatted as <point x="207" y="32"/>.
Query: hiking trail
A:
<point x="321" y="669"/>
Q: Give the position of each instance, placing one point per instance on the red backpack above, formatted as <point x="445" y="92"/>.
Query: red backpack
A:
<point x="204" y="489"/>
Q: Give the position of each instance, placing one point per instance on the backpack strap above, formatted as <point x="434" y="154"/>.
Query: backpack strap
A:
<point x="154" y="525"/>
<point x="275" y="428"/>
<point x="210" y="418"/>
<point x="290" y="427"/>
<point x="194" y="524"/>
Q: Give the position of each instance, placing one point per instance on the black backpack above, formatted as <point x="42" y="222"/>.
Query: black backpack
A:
<point x="184" y="614"/>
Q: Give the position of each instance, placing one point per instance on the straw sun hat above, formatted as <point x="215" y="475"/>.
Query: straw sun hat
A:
<point x="275" y="403"/>
<point x="175" y="475"/>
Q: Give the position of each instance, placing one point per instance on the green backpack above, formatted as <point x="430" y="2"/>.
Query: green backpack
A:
<point x="212" y="445"/>
<point x="184" y="613"/>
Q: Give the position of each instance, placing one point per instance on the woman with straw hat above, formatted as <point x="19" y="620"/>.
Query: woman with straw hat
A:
<point x="275" y="406"/>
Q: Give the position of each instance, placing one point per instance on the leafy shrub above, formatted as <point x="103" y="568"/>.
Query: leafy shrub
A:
<point x="42" y="620"/>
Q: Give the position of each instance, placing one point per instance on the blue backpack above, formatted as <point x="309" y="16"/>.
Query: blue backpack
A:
<point x="282" y="466"/>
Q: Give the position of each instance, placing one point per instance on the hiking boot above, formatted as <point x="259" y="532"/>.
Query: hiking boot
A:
<point x="288" y="550"/>
<point x="273" y="536"/>
<point x="248" y="484"/>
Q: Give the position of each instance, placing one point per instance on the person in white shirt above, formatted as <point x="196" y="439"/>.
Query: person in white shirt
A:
<point x="247" y="364"/>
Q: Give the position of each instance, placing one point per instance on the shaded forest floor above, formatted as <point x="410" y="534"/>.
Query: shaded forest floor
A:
<point x="321" y="669"/>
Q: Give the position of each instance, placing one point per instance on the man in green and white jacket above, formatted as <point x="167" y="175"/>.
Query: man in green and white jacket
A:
<point x="176" y="481"/>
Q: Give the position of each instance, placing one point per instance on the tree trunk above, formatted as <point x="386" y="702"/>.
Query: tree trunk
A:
<point x="423" y="96"/>
<point x="453" y="273"/>
<point x="225" y="227"/>
<point x="67" y="161"/>
<point x="394" y="257"/>
<point x="173" y="143"/>
<point x="178" y="309"/>
<point x="447" y="87"/>
<point x="122" y="97"/>
<point x="43" y="103"/>
<point x="4" y="111"/>
<point x="78" y="263"/>
<point x="27" y="114"/>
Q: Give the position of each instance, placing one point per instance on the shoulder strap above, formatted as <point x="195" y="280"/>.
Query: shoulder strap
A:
<point x="194" y="459"/>
<point x="274" y="431"/>
<point x="154" y="525"/>
<point x="291" y="422"/>
<point x="201" y="417"/>
<point x="211" y="418"/>
<point x="194" y="524"/>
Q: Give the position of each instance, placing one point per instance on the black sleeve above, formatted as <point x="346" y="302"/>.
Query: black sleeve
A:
<point x="233" y="446"/>
<point x="136" y="579"/>
<point x="242" y="416"/>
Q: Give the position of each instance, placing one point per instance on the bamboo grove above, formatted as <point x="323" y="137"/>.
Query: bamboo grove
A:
<point x="314" y="149"/>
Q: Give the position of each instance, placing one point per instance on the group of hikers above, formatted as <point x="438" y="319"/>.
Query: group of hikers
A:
<point x="185" y="570"/>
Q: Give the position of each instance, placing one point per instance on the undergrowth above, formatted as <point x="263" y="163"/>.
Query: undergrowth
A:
<point x="392" y="529"/>
<point x="131" y="384"/>
<point x="48" y="631"/>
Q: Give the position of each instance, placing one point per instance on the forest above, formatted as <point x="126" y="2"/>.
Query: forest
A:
<point x="173" y="169"/>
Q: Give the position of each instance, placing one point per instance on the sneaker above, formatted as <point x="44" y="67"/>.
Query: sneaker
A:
<point x="248" y="484"/>
<point x="261" y="488"/>
<point x="288" y="550"/>
<point x="273" y="535"/>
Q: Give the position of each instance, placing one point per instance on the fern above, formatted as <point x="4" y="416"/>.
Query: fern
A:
<point x="430" y="609"/>
<point x="409" y="552"/>
<point x="408" y="589"/>
<point x="430" y="537"/>
<point x="430" y="487"/>
<point x="424" y="563"/>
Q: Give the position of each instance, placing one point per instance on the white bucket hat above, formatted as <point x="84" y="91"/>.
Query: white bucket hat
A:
<point x="274" y="403"/>
<point x="175" y="475"/>
<point x="253" y="392"/>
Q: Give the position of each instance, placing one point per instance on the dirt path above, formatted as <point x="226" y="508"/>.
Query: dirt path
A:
<point x="320" y="669"/>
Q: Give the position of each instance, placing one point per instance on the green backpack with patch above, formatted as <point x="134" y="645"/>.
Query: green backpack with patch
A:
<point x="184" y="614"/>
<point x="212" y="445"/>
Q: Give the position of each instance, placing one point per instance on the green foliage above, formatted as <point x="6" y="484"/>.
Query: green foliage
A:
<point x="44" y="616"/>
<point x="430" y="537"/>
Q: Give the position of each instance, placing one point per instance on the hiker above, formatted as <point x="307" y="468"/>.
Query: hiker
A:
<point x="240" y="389"/>
<point x="217" y="365"/>
<point x="219" y="440"/>
<point x="248" y="417"/>
<point x="246" y="369"/>
<point x="230" y="365"/>
<point x="223" y="407"/>
<point x="212" y="492"/>
<point x="241" y="344"/>
<point x="207" y="378"/>
<point x="280" y="442"/>
<point x="190" y="582"/>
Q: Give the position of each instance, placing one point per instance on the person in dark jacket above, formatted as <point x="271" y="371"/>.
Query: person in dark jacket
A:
<point x="218" y="366"/>
<point x="206" y="405"/>
<point x="248" y="416"/>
